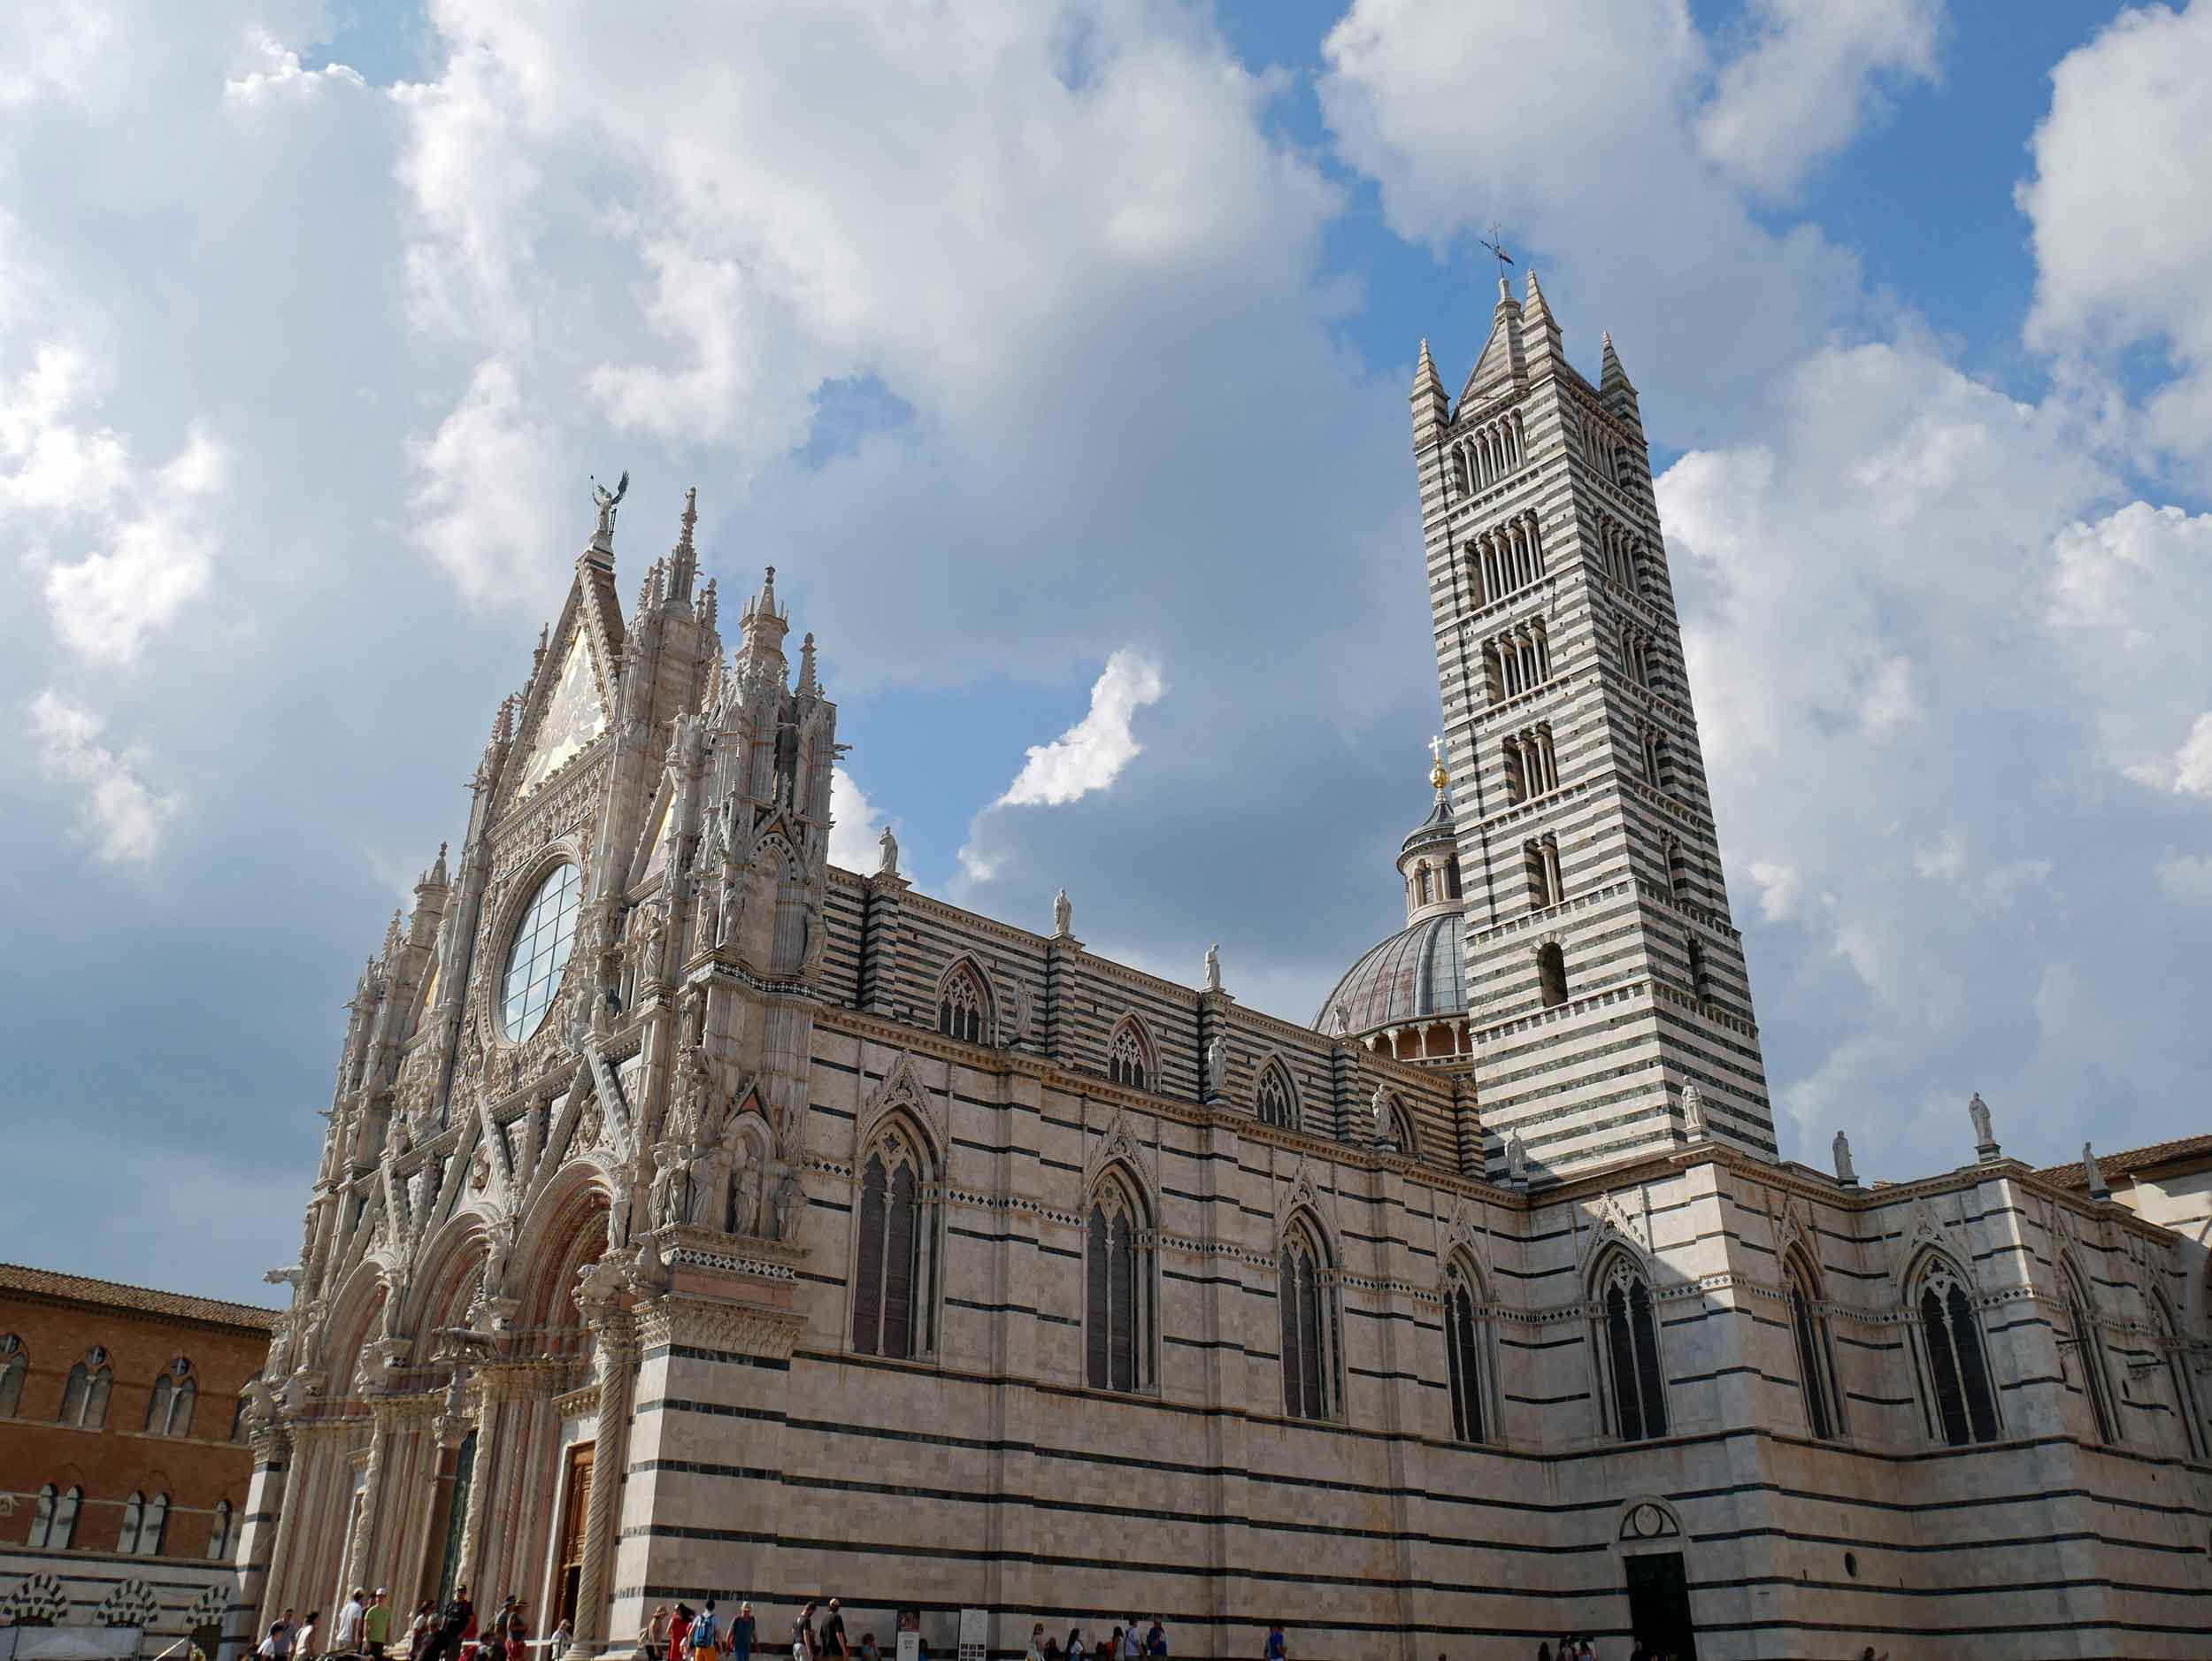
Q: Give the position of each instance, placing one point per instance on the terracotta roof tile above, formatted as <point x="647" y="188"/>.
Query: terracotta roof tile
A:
<point x="2128" y="1160"/>
<point x="15" y="1277"/>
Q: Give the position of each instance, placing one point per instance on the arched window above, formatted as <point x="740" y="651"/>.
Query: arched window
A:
<point x="219" y="1534"/>
<point x="1403" y="1134"/>
<point x="1678" y="870"/>
<point x="43" y="1519"/>
<point x="1808" y="1327"/>
<point x="238" y="1418"/>
<point x="145" y="1525"/>
<point x="1304" y="1297"/>
<point x="1551" y="975"/>
<point x="961" y="1005"/>
<point x="2176" y="1361"/>
<point x="1701" y="981"/>
<point x="1630" y="1347"/>
<point x="1118" y="1270"/>
<point x="1466" y="1353"/>
<point x="2089" y="1348"/>
<point x="1275" y="1102"/>
<point x="1540" y="860"/>
<point x="84" y="1400"/>
<point x="15" y="1362"/>
<point x="1128" y="1057"/>
<point x="126" y="1542"/>
<point x="1964" y="1411"/>
<point x="169" y="1409"/>
<point x="894" y="1264"/>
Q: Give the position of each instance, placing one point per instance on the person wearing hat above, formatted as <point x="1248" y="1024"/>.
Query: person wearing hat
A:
<point x="376" y="1625"/>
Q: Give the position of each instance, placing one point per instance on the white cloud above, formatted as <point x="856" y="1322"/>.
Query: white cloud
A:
<point x="275" y="72"/>
<point x="2193" y="762"/>
<point x="857" y="825"/>
<point x="1090" y="753"/>
<point x="2122" y="223"/>
<point x="1806" y="83"/>
<point x="490" y="481"/>
<point x="124" y="815"/>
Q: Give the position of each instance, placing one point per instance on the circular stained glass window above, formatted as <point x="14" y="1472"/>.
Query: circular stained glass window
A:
<point x="540" y="952"/>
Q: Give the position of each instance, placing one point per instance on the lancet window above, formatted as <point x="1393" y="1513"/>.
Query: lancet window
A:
<point x="894" y="1250"/>
<point x="218" y="1540"/>
<point x="144" y="1523"/>
<point x="1466" y="1353"/>
<point x="1629" y="1340"/>
<point x="1117" y="1271"/>
<point x="1517" y="661"/>
<point x="961" y="1005"/>
<point x="1815" y="1358"/>
<point x="1963" y="1407"/>
<point x="1128" y="1057"/>
<point x="1636" y="655"/>
<point x="2177" y="1360"/>
<point x="1275" y="1102"/>
<point x="1620" y="553"/>
<point x="1489" y="453"/>
<point x="1532" y="768"/>
<point x="1551" y="975"/>
<point x="84" y="1399"/>
<point x="1677" y="872"/>
<point x="1505" y="560"/>
<point x="54" y="1524"/>
<point x="1305" y="1299"/>
<point x="1540" y="860"/>
<point x="2089" y="1350"/>
<point x="169" y="1407"/>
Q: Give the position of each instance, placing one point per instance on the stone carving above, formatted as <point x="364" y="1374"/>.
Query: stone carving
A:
<point x="608" y="501"/>
<point x="1213" y="967"/>
<point x="1845" y="1173"/>
<point x="1516" y="1157"/>
<point x="1379" y="1106"/>
<point x="481" y="1170"/>
<point x="1985" y="1138"/>
<point x="888" y="866"/>
<point x="1694" y="1114"/>
<point x="710" y="1179"/>
<point x="618" y="1215"/>
<point x="1217" y="1069"/>
<point x="1063" y="916"/>
<point x="745" y="1211"/>
<point x="786" y="1201"/>
<point x="2093" y="1174"/>
<point x="665" y="1200"/>
<point x="1342" y="1018"/>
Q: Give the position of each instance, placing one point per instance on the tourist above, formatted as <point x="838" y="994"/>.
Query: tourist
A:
<point x="706" y="1632"/>
<point x="376" y="1625"/>
<point x="517" y="1633"/>
<point x="1276" y="1649"/>
<point x="868" y="1651"/>
<point x="804" y="1645"/>
<point x="305" y="1640"/>
<point x="1133" y="1641"/>
<point x="271" y="1647"/>
<point x="833" y="1646"/>
<point x="680" y="1633"/>
<point x="1543" y="1652"/>
<point x="345" y="1632"/>
<point x="1109" y="1649"/>
<point x="1074" y="1651"/>
<point x="655" y="1634"/>
<point x="454" y="1622"/>
<point x="743" y="1630"/>
<point x="1156" y="1640"/>
<point x="284" y="1638"/>
<point x="1036" y="1651"/>
<point x="564" y="1635"/>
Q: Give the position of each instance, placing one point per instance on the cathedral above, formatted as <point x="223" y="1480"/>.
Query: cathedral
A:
<point x="697" y="1218"/>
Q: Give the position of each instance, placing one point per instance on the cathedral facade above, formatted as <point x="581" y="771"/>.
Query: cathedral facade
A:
<point x="697" y="1218"/>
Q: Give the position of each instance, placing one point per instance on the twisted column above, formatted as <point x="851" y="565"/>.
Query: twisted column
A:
<point x="617" y="1351"/>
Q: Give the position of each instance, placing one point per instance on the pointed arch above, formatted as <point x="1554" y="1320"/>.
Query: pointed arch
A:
<point x="1131" y="1060"/>
<point x="1305" y="1296"/>
<point x="1470" y="1348"/>
<point x="1959" y="1405"/>
<point x="1635" y="1394"/>
<point x="1405" y="1135"/>
<point x="84" y="1399"/>
<point x="964" y="1006"/>
<point x="1816" y="1350"/>
<point x="565" y="1229"/>
<point x="2176" y="1359"/>
<point x="15" y="1366"/>
<point x="1275" y="1095"/>
<point x="169" y="1404"/>
<point x="1119" y="1300"/>
<point x="893" y="1272"/>
<point x="2089" y="1348"/>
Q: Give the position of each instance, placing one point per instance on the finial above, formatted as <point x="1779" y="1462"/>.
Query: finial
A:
<point x="435" y="876"/>
<point x="707" y="605"/>
<point x="809" y="687"/>
<point x="691" y="516"/>
<point x="1438" y="776"/>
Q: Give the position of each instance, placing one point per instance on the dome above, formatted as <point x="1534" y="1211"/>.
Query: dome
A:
<point x="1418" y="973"/>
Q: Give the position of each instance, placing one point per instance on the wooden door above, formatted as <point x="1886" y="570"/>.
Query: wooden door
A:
<point x="568" y="1560"/>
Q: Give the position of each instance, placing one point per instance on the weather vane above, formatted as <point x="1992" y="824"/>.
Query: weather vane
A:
<point x="1496" y="243"/>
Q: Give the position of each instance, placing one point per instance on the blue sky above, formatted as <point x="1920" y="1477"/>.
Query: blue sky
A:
<point x="1057" y="356"/>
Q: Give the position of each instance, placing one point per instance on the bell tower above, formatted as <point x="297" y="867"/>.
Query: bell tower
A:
<point x="1603" y="973"/>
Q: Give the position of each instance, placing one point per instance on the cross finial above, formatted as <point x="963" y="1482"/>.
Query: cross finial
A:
<point x="1437" y="775"/>
<point x="1496" y="243"/>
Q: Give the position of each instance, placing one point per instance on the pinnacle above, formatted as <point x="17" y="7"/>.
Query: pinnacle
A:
<point x="690" y="517"/>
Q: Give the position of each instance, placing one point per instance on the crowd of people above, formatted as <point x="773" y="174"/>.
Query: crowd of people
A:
<point x="362" y="1628"/>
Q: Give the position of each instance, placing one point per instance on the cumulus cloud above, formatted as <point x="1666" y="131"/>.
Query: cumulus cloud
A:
<point x="2122" y="222"/>
<point x="1804" y="84"/>
<point x="489" y="480"/>
<point x="123" y="815"/>
<point x="1090" y="753"/>
<point x="858" y="826"/>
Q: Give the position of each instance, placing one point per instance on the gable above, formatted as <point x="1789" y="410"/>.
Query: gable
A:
<point x="574" y="715"/>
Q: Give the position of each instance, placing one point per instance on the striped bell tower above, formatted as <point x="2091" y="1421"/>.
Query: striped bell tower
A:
<point x="1609" y="1004"/>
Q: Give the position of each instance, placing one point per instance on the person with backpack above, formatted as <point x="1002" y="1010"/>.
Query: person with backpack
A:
<point x="1156" y="1640"/>
<point x="1276" y="1649"/>
<point x="706" y="1632"/>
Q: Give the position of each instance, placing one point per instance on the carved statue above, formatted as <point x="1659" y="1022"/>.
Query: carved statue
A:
<point x="1845" y="1173"/>
<point x="788" y="1195"/>
<point x="2092" y="1173"/>
<point x="1378" y="1104"/>
<point x="745" y="1214"/>
<point x="1977" y="1111"/>
<point x="664" y="1200"/>
<point x="649" y="968"/>
<point x="1343" y="1017"/>
<point x="618" y="1217"/>
<point x="1516" y="1157"/>
<point x="1216" y="1068"/>
<point x="1063" y="916"/>
<point x="610" y="500"/>
<point x="1694" y="1113"/>
<point x="710" y="1185"/>
<point x="889" y="864"/>
<point x="1213" y="967"/>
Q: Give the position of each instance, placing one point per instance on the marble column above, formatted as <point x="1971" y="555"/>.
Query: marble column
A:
<point x="616" y="1333"/>
<point x="267" y="1522"/>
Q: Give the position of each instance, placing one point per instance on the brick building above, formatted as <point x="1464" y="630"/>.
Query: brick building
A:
<point x="123" y="1469"/>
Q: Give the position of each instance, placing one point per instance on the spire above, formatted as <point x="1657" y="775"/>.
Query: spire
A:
<point x="537" y="658"/>
<point x="1615" y="391"/>
<point x="683" y="559"/>
<point x="708" y="606"/>
<point x="764" y="626"/>
<point x="1432" y="408"/>
<point x="1539" y="326"/>
<point x="1612" y="374"/>
<point x="809" y="687"/>
<point x="1502" y="359"/>
<point x="435" y="876"/>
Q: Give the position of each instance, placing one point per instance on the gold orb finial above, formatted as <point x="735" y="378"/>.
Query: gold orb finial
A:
<point x="1438" y="776"/>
